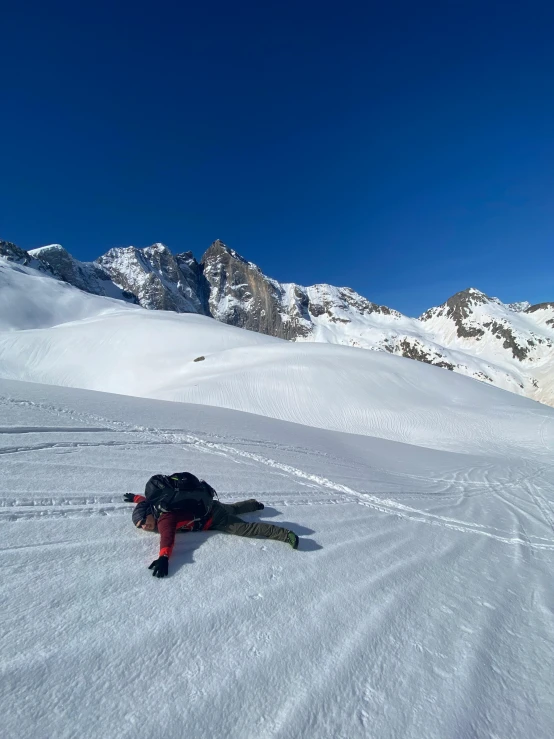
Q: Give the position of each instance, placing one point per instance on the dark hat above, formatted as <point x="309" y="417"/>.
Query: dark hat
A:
<point x="141" y="510"/>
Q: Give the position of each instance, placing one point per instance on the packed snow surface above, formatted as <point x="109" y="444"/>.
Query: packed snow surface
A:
<point x="419" y="604"/>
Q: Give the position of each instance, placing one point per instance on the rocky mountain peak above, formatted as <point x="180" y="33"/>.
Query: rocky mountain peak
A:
<point x="220" y="251"/>
<point x="157" y="248"/>
<point x="87" y="276"/>
<point x="15" y="254"/>
<point x="478" y="317"/>
<point x="185" y="256"/>
<point x="459" y="308"/>
<point x="156" y="278"/>
<point x="48" y="249"/>
<point x="61" y="263"/>
<point x="240" y="294"/>
<point x="469" y="296"/>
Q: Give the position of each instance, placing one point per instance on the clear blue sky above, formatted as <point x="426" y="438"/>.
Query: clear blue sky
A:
<point x="404" y="149"/>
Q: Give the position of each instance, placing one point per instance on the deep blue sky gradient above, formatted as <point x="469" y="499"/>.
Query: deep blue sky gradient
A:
<point x="403" y="149"/>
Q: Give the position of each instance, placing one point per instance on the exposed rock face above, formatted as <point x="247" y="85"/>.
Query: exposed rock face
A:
<point x="196" y="284"/>
<point x="519" y="307"/>
<point x="414" y="349"/>
<point x="241" y="295"/>
<point x="86" y="276"/>
<point x="13" y="253"/>
<point x="152" y="277"/>
<point x="476" y="316"/>
<point x="459" y="309"/>
<point x="157" y="279"/>
<point x="503" y="331"/>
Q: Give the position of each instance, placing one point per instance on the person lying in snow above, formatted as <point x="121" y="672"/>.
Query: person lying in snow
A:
<point x="182" y="502"/>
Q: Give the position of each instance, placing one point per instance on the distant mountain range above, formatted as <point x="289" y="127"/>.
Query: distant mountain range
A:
<point x="510" y="346"/>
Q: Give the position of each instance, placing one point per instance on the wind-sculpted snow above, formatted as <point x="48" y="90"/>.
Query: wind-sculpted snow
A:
<point x="418" y="604"/>
<point x="32" y="300"/>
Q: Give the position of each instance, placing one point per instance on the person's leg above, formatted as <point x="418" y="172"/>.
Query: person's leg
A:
<point x="232" y="524"/>
<point x="243" y="506"/>
<point x="221" y="511"/>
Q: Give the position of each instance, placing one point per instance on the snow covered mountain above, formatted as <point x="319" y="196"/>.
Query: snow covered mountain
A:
<point x="87" y="276"/>
<point x="515" y="342"/>
<point x="152" y="277"/>
<point x="13" y="253"/>
<point x="509" y="346"/>
<point x="158" y="279"/>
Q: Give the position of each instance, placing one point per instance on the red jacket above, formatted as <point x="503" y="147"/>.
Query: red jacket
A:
<point x="168" y="524"/>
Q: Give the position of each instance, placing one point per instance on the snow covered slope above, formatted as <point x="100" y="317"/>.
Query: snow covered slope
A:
<point x="102" y="344"/>
<point x="30" y="299"/>
<point x="419" y="603"/>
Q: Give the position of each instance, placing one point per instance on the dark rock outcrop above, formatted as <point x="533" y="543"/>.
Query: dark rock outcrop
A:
<point x="13" y="253"/>
<point x="459" y="308"/>
<point x="414" y="349"/>
<point x="242" y="296"/>
<point x="86" y="276"/>
<point x="157" y="279"/>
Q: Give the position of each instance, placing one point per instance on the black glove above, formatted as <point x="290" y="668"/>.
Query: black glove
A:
<point x="159" y="567"/>
<point x="129" y="497"/>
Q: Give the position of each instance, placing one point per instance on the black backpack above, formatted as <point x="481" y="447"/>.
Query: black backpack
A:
<point x="180" y="492"/>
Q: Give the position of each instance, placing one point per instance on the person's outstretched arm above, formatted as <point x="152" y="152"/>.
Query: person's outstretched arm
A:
<point x="167" y="524"/>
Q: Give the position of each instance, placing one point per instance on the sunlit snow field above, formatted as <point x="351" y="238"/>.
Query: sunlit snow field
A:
<point x="419" y="604"/>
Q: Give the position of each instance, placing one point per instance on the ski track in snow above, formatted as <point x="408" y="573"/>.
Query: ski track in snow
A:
<point x="161" y="437"/>
<point x="384" y="505"/>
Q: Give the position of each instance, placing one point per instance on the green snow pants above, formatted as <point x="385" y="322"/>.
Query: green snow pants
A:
<point x="225" y="519"/>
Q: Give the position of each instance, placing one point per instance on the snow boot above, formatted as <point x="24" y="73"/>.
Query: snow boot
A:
<point x="260" y="507"/>
<point x="292" y="539"/>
